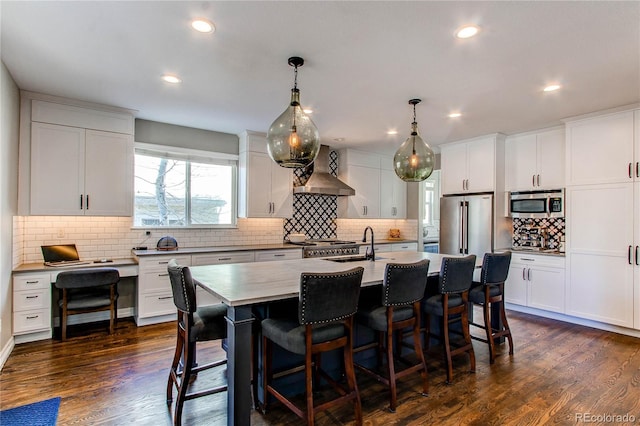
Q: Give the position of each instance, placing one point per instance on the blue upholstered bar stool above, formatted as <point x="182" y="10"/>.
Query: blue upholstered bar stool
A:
<point x="490" y="289"/>
<point x="326" y="306"/>
<point x="452" y="305"/>
<point x="194" y="325"/>
<point x="88" y="290"/>
<point x="398" y="309"/>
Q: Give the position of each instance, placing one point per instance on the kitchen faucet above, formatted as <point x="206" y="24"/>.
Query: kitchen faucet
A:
<point x="369" y="255"/>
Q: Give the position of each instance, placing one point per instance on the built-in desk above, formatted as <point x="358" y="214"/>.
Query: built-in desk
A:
<point x="32" y="296"/>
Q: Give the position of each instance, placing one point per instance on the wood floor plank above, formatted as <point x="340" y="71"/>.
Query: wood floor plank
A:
<point x="558" y="371"/>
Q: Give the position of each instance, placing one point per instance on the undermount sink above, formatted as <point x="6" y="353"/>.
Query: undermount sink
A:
<point x="343" y="259"/>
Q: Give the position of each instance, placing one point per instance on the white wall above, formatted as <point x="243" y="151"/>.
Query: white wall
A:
<point x="9" y="124"/>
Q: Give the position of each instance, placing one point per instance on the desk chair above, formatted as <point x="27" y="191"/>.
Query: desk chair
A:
<point x="88" y="290"/>
<point x="452" y="305"/>
<point x="194" y="325"/>
<point x="402" y="290"/>
<point x="326" y="306"/>
<point x="490" y="289"/>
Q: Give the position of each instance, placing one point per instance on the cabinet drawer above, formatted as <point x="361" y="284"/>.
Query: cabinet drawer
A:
<point x="404" y="247"/>
<point x="155" y="304"/>
<point x="27" y="322"/>
<point x="222" y="258"/>
<point x="31" y="300"/>
<point x="537" y="260"/>
<point x="31" y="282"/>
<point x="159" y="264"/>
<point x="154" y="281"/>
<point x="268" y="255"/>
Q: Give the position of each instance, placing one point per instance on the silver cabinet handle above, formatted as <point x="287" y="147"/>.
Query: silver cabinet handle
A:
<point x="81" y="200"/>
<point x="278" y="255"/>
<point x="524" y="276"/>
<point x="163" y="262"/>
<point x="163" y="275"/>
<point x="629" y="256"/>
<point x="630" y="175"/>
<point x="538" y="179"/>
<point x="533" y="180"/>
<point x="224" y="258"/>
<point x="528" y="274"/>
<point x="31" y="297"/>
<point x="165" y="297"/>
<point x="87" y="202"/>
<point x="638" y="169"/>
<point x="33" y="317"/>
<point x="31" y="282"/>
<point x="637" y="264"/>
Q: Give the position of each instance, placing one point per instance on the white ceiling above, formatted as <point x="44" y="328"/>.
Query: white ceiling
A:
<point x="364" y="61"/>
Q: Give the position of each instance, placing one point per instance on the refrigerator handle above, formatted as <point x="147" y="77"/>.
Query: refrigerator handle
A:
<point x="461" y="229"/>
<point x="465" y="235"/>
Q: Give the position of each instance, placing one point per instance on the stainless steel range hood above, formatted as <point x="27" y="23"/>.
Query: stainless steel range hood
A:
<point x="322" y="181"/>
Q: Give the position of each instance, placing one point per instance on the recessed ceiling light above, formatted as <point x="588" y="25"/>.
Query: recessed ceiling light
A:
<point x="455" y="115"/>
<point x="170" y="78"/>
<point x="308" y="111"/>
<point x="467" y="31"/>
<point x="203" y="25"/>
<point x="392" y="132"/>
<point x="552" y="88"/>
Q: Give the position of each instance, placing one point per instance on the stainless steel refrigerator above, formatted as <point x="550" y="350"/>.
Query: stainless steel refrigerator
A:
<point x="466" y="224"/>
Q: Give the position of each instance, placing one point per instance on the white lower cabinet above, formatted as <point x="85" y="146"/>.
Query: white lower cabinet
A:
<point x="203" y="297"/>
<point x="31" y="303"/>
<point x="271" y="255"/>
<point x="386" y="247"/>
<point x="155" y="298"/>
<point x="404" y="247"/>
<point x="536" y="281"/>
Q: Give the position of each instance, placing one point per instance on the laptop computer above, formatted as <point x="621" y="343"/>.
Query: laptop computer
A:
<point x="61" y="255"/>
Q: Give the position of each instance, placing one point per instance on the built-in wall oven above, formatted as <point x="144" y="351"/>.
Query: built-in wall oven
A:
<point x="537" y="204"/>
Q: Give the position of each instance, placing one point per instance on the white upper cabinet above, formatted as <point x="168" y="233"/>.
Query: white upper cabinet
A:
<point x="80" y="172"/>
<point x="265" y="189"/>
<point x="535" y="161"/>
<point x="380" y="193"/>
<point x="470" y="166"/>
<point x="393" y="195"/>
<point x="601" y="149"/>
<point x="75" y="159"/>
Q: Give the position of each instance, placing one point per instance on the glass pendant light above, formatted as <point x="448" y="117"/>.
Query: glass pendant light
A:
<point x="293" y="140"/>
<point x="414" y="160"/>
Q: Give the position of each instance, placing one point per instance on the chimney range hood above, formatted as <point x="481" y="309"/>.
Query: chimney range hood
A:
<point x="322" y="181"/>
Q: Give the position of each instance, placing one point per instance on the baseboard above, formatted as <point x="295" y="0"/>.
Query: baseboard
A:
<point x="574" y="320"/>
<point x="94" y="316"/>
<point x="6" y="351"/>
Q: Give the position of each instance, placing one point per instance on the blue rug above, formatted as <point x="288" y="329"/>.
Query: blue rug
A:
<point x="43" y="413"/>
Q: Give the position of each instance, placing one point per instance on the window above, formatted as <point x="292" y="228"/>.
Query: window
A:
<point x="184" y="188"/>
<point x="432" y="200"/>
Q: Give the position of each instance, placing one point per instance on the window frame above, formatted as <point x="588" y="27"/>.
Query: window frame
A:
<point x="190" y="155"/>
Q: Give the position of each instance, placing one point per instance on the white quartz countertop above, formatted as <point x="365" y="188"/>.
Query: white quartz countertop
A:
<point x="249" y="283"/>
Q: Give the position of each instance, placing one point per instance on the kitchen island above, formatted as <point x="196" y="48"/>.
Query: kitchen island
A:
<point x="243" y="285"/>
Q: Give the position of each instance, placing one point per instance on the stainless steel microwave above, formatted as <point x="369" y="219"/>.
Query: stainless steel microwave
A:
<point x="537" y="204"/>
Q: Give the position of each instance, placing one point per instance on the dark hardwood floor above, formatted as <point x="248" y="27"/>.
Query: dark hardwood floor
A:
<point x="558" y="373"/>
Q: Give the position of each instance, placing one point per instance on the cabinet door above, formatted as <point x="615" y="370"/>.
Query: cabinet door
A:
<point x="520" y="162"/>
<point x="57" y="169"/>
<point x="481" y="165"/>
<point x="393" y="196"/>
<point x="281" y="191"/>
<point x="366" y="202"/>
<point x="515" y="288"/>
<point x="259" y="185"/>
<point x="550" y="155"/>
<point x="546" y="289"/>
<point x="600" y="227"/>
<point x="600" y="149"/>
<point x="108" y="173"/>
<point x="454" y="168"/>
